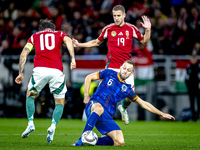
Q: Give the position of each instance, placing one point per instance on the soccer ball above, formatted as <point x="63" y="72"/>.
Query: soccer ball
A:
<point x="89" y="138"/>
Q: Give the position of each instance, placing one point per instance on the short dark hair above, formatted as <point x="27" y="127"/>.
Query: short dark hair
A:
<point x="129" y="62"/>
<point x="45" y="23"/>
<point x="119" y="7"/>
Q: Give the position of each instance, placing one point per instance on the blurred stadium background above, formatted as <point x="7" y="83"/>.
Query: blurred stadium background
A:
<point x="160" y="66"/>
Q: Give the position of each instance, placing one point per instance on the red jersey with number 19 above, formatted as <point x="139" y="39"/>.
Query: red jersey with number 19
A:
<point x="48" y="48"/>
<point x="119" y="44"/>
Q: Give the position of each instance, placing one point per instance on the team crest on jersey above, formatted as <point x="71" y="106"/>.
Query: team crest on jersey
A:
<point x="124" y="88"/>
<point x="113" y="33"/>
<point x="127" y="34"/>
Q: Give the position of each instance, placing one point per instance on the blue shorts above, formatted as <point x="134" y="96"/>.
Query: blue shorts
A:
<point x="105" y="122"/>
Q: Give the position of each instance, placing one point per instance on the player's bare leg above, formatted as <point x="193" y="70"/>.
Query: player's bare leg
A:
<point x="117" y="137"/>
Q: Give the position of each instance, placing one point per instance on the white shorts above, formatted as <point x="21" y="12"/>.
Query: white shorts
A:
<point x="129" y="80"/>
<point x="54" y="77"/>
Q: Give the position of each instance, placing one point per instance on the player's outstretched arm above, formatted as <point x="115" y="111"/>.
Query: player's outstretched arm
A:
<point x="88" y="79"/>
<point x="147" y="25"/>
<point x="92" y="43"/>
<point x="149" y="107"/>
<point x="22" y="62"/>
<point x="70" y="48"/>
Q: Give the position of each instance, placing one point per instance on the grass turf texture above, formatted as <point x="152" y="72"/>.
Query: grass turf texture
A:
<point x="138" y="135"/>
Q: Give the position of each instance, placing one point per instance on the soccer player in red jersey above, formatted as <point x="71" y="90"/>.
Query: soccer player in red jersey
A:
<point x="48" y="69"/>
<point x="120" y="36"/>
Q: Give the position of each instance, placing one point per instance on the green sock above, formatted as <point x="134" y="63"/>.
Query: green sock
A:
<point x="30" y="108"/>
<point x="57" y="113"/>
<point x="125" y="103"/>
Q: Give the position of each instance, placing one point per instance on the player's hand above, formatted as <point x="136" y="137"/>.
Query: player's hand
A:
<point x="73" y="64"/>
<point x="147" y="23"/>
<point x="75" y="42"/>
<point x="19" y="78"/>
<point x="168" y="116"/>
<point x="86" y="99"/>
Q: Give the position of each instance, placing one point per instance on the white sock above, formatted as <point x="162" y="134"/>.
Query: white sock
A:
<point x="53" y="126"/>
<point x="30" y="123"/>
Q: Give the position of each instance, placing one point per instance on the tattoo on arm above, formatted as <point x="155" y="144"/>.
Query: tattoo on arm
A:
<point x="22" y="59"/>
<point x="27" y="50"/>
<point x="21" y="65"/>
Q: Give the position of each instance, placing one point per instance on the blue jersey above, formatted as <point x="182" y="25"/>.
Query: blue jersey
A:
<point x="111" y="90"/>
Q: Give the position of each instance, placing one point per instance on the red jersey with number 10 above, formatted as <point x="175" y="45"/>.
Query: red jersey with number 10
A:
<point x="48" y="48"/>
<point x="119" y="44"/>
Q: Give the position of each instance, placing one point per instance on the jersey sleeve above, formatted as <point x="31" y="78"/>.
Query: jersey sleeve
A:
<point x="139" y="35"/>
<point x="103" y="35"/>
<point x="30" y="40"/>
<point x="30" y="43"/>
<point x="62" y="35"/>
<point x="102" y="74"/>
<point x="136" y="33"/>
<point x="133" y="97"/>
<point x="100" y="38"/>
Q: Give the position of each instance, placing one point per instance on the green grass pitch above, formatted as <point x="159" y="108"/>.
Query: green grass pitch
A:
<point x="139" y="135"/>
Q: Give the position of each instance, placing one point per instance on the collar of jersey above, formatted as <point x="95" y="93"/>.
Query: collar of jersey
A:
<point x="120" y="78"/>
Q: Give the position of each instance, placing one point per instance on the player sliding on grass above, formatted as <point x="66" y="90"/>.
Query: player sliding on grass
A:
<point x="120" y="37"/>
<point x="48" y="69"/>
<point x="102" y="105"/>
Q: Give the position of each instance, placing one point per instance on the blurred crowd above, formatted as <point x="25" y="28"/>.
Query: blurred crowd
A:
<point x="175" y="31"/>
<point x="175" y="23"/>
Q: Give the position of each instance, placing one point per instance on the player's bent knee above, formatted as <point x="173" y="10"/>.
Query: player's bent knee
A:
<point x="31" y="94"/>
<point x="98" y="108"/>
<point x="119" y="143"/>
<point x="59" y="101"/>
